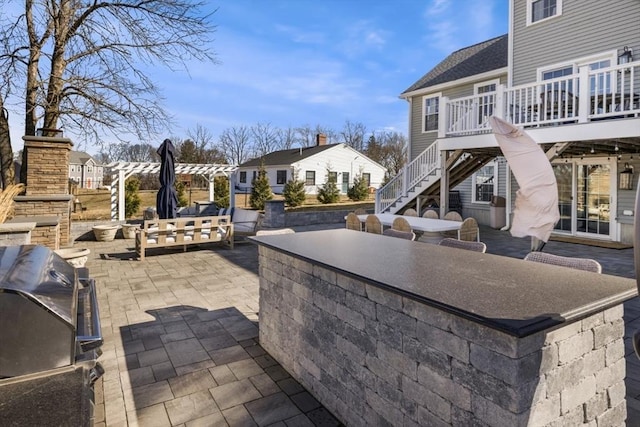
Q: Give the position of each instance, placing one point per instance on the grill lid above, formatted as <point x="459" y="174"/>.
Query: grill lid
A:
<point x="39" y="274"/>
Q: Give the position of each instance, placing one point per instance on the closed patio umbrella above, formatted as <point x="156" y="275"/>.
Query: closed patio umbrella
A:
<point x="536" y="210"/>
<point x="167" y="199"/>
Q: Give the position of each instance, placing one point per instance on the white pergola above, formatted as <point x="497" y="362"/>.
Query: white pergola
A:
<point x="120" y="171"/>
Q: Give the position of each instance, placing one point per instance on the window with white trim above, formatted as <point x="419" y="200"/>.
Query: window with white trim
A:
<point x="541" y="10"/>
<point x="310" y="178"/>
<point x="431" y="108"/>
<point x="483" y="183"/>
<point x="243" y="177"/>
<point x="281" y="177"/>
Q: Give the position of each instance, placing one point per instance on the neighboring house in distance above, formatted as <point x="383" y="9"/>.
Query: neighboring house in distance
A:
<point x="84" y="170"/>
<point x="568" y="73"/>
<point x="311" y="165"/>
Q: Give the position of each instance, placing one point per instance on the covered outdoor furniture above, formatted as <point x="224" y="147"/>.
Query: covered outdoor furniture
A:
<point x="373" y="225"/>
<point x="401" y="224"/>
<point x="161" y="233"/>
<point x="391" y="232"/>
<point x="585" y="264"/>
<point x="352" y="222"/>
<point x="469" y="230"/>
<point x="462" y="244"/>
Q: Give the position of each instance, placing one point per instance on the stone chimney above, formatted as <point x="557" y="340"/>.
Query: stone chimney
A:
<point x="321" y="139"/>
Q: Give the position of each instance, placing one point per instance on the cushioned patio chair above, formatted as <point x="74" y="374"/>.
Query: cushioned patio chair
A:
<point x="585" y="264"/>
<point x="462" y="244"/>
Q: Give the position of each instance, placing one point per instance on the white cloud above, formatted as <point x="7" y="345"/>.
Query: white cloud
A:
<point x="438" y="7"/>
<point x="361" y="37"/>
<point x="298" y="35"/>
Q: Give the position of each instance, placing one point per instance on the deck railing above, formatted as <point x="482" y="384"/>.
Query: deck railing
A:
<point x="578" y="98"/>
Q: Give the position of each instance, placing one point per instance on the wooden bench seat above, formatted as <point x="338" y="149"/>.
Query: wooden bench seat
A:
<point x="161" y="233"/>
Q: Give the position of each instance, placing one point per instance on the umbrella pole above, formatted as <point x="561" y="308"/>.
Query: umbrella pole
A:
<point x="537" y="244"/>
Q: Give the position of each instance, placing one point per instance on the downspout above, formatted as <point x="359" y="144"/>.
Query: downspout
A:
<point x="508" y="199"/>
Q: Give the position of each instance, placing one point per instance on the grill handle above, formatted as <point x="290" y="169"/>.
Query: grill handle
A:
<point x="90" y="342"/>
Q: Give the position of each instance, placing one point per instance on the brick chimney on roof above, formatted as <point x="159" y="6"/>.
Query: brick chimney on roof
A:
<point x="321" y="139"/>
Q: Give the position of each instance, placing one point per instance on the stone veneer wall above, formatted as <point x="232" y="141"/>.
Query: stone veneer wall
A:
<point x="46" y="235"/>
<point x="373" y="357"/>
<point x="47" y="165"/>
<point x="60" y="206"/>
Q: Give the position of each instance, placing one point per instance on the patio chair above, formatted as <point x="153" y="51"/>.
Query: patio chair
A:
<point x="410" y="212"/>
<point x="408" y="235"/>
<point x="585" y="264"/>
<point x="469" y="230"/>
<point x="452" y="216"/>
<point x="461" y="244"/>
<point x="401" y="224"/>
<point x="373" y="225"/>
<point x="430" y="214"/>
<point x="353" y="223"/>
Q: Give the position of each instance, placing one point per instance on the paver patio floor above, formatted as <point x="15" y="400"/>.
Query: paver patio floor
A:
<point x="181" y="337"/>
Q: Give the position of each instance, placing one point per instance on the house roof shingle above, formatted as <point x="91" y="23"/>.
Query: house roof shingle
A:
<point x="79" y="157"/>
<point x="476" y="59"/>
<point x="287" y="157"/>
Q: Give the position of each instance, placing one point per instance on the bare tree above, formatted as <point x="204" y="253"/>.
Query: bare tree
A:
<point x="95" y="85"/>
<point x="389" y="149"/>
<point x="305" y="136"/>
<point x="199" y="147"/>
<point x="353" y="134"/>
<point x="235" y="143"/>
<point x="265" y="138"/>
<point x="286" y="137"/>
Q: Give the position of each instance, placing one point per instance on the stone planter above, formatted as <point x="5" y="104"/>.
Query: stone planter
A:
<point x="105" y="233"/>
<point x="129" y="230"/>
<point x="74" y="256"/>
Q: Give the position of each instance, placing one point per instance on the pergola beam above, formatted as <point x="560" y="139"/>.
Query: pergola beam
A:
<point x="120" y="171"/>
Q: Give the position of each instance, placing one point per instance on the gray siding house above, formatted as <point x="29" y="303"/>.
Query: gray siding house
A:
<point x="84" y="170"/>
<point x="568" y="72"/>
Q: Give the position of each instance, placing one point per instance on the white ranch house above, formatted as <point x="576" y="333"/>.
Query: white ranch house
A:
<point x="311" y="165"/>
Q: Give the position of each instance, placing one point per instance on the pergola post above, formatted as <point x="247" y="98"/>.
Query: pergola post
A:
<point x="121" y="180"/>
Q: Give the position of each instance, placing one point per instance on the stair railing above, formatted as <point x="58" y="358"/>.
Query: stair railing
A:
<point x="408" y="178"/>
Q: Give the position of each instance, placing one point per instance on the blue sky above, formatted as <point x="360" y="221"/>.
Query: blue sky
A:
<point x="309" y="62"/>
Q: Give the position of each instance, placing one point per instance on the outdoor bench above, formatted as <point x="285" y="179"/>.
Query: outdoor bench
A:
<point x="161" y="233"/>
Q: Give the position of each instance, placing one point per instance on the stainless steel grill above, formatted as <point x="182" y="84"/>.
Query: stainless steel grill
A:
<point x="49" y="330"/>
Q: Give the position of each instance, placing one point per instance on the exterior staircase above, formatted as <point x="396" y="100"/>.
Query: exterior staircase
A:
<point x="421" y="177"/>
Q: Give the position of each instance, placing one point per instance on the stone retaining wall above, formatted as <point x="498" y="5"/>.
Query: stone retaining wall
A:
<point x="373" y="357"/>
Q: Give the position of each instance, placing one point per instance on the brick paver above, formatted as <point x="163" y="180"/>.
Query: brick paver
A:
<point x="181" y="336"/>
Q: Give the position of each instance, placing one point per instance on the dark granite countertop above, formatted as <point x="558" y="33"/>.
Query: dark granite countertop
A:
<point x="57" y="399"/>
<point x="511" y="295"/>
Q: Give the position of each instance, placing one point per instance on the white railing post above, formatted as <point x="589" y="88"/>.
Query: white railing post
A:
<point x="405" y="176"/>
<point x="500" y="110"/>
<point x="584" y="98"/>
<point x="443" y="117"/>
<point x="376" y="206"/>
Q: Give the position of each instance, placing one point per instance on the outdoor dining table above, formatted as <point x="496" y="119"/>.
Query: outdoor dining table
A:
<point x="430" y="225"/>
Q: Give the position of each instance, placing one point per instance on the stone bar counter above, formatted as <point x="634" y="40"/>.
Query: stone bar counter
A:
<point x="384" y="331"/>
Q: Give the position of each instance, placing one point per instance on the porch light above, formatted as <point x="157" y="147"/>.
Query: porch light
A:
<point x="626" y="56"/>
<point x="625" y="181"/>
